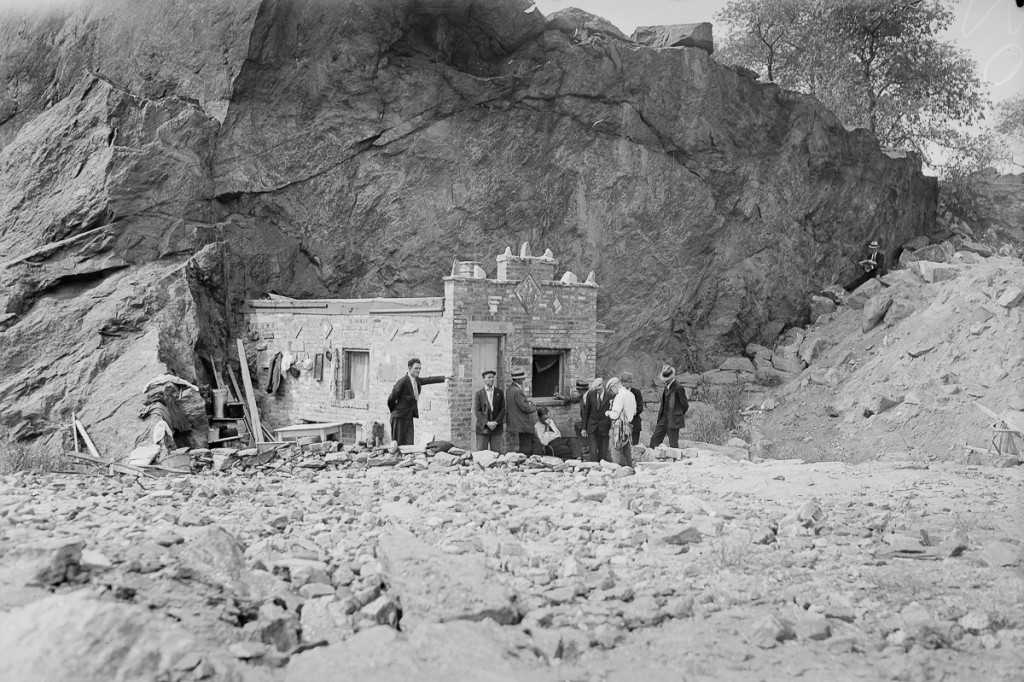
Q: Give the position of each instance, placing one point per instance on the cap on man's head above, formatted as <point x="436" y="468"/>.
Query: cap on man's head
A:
<point x="518" y="374"/>
<point x="582" y="384"/>
<point x="668" y="373"/>
<point x="612" y="383"/>
<point x="596" y="383"/>
<point x="488" y="371"/>
<point x="874" y="244"/>
<point x="627" y="377"/>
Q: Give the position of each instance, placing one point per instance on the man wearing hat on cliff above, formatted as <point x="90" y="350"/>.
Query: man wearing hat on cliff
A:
<point x="672" y="413"/>
<point x="404" y="402"/>
<point x="627" y="381"/>
<point x="519" y="410"/>
<point x="489" y="408"/>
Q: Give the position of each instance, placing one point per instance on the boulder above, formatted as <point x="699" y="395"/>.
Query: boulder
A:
<point x="73" y="637"/>
<point x="859" y="297"/>
<point x="432" y="586"/>
<point x="811" y="348"/>
<point x="873" y="313"/>
<point x="738" y="364"/>
<point x="42" y="563"/>
<point x="932" y="272"/>
<point x="1010" y="297"/>
<point x="676" y="35"/>
<point x="789" y="365"/>
<point x="431" y="652"/>
<point x="936" y="253"/>
<point x="579" y="24"/>
<point x="821" y="305"/>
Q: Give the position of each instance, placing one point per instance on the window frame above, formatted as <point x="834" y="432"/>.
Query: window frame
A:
<point x="562" y="355"/>
<point x="346" y="374"/>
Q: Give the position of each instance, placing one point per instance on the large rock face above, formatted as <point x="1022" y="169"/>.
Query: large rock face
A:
<point x="160" y="161"/>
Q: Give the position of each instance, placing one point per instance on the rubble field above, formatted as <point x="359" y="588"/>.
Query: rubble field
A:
<point x="707" y="567"/>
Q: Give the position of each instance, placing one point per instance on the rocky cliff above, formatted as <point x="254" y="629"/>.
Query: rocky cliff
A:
<point x="161" y="160"/>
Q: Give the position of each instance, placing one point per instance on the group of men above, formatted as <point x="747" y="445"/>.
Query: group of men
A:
<point x="610" y="421"/>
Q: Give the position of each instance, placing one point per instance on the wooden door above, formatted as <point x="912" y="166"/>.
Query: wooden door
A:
<point x="486" y="355"/>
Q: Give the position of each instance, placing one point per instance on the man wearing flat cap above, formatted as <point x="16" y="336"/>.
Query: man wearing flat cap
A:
<point x="672" y="413"/>
<point x="520" y="421"/>
<point x="489" y="408"/>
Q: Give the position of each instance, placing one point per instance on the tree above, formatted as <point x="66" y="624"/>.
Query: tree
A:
<point x="1009" y="125"/>
<point x="878" y="64"/>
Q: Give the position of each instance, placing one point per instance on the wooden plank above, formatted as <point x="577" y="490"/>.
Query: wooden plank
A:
<point x="245" y="408"/>
<point x="88" y="441"/>
<point x="217" y="377"/>
<point x="250" y="396"/>
<point x="89" y="458"/>
<point x="55" y="245"/>
<point x="74" y="431"/>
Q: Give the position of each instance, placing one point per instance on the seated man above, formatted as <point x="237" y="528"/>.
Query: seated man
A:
<point x="873" y="266"/>
<point x="550" y="437"/>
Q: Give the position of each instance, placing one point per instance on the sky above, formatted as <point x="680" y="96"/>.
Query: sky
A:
<point x="992" y="30"/>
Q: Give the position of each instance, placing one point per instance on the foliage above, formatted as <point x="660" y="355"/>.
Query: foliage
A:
<point x="879" y="64"/>
<point x="717" y="416"/>
<point x="1009" y="126"/>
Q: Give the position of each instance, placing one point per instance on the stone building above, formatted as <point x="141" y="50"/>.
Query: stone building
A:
<point x="349" y="353"/>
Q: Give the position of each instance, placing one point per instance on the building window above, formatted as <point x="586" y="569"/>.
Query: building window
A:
<point x="356" y="374"/>
<point x="547" y="372"/>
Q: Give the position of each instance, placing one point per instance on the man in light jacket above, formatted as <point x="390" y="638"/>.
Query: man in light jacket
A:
<point x="623" y="409"/>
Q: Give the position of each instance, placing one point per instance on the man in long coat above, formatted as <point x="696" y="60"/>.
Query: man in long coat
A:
<point x="672" y="413"/>
<point x="520" y="419"/>
<point x="404" y="402"/>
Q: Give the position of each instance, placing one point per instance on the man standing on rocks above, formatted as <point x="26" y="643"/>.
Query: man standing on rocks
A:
<point x="404" y="402"/>
<point x="672" y="413"/>
<point x="596" y="423"/>
<point x="519" y="410"/>
<point x="489" y="407"/>
<point x="627" y="381"/>
<point x="621" y="414"/>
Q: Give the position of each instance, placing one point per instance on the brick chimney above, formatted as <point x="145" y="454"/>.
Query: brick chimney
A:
<point x="511" y="267"/>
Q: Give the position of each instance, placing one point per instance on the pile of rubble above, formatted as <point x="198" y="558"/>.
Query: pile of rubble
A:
<point x="766" y="568"/>
<point x="288" y="458"/>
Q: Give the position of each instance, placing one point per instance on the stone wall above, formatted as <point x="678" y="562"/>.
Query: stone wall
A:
<point x="390" y="341"/>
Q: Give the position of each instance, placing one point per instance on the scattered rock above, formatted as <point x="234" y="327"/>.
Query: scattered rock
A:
<point x="769" y="631"/>
<point x="997" y="554"/>
<point x="433" y="586"/>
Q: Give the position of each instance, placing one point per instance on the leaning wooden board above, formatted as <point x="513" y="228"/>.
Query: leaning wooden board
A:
<point x="250" y="396"/>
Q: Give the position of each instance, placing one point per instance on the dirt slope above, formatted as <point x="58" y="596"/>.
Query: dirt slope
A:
<point x="943" y="347"/>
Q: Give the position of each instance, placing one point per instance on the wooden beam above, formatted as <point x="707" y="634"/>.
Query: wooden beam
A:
<point x="245" y="408"/>
<point x="250" y="396"/>
<point x="88" y="441"/>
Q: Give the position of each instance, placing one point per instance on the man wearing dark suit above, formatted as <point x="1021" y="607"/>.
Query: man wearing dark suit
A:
<point x="596" y="424"/>
<point x="672" y="413"/>
<point x="404" y="402"/>
<point x="627" y="381"/>
<point x="489" y="408"/>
